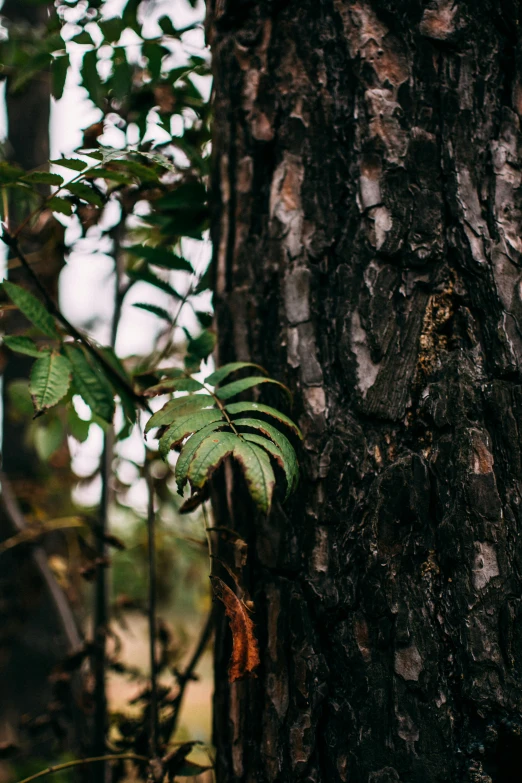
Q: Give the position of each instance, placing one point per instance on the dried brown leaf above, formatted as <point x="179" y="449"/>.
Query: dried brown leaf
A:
<point x="245" y="651"/>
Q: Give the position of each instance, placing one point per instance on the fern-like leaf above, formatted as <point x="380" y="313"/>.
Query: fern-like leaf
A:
<point x="206" y="431"/>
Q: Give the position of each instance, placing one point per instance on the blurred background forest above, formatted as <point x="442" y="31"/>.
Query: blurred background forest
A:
<point x="126" y="253"/>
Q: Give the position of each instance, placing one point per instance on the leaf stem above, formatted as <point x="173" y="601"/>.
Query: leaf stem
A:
<point x="222" y="409"/>
<point x="81" y="762"/>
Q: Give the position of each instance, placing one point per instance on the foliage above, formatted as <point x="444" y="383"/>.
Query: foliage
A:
<point x="158" y="192"/>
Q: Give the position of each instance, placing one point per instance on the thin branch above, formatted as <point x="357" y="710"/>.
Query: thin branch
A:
<point x="187" y="675"/>
<point x="101" y="604"/>
<point x="63" y="610"/>
<point x="81" y="762"/>
<point x="53" y="309"/>
<point x="151" y="531"/>
<point x="101" y="609"/>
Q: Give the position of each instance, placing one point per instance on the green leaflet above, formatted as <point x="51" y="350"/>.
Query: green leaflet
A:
<point x="32" y="308"/>
<point x="155" y="310"/>
<point x="173" y="384"/>
<point x="75" y="164"/>
<point x="23" y="345"/>
<point x="189" y="449"/>
<point x="159" y="256"/>
<point x="291" y="466"/>
<point x="61" y="205"/>
<point x="91" y="383"/>
<point x="146" y="276"/>
<point x="236" y="387"/>
<point x="228" y="369"/>
<point x="50" y="380"/>
<point x="209" y="455"/>
<point x="274" y="450"/>
<point x="254" y="462"/>
<point x="43" y="178"/>
<point x="181" y="406"/>
<point x="247" y="407"/>
<point x="59" y="68"/>
<point x="258" y="473"/>
<point x="84" y="192"/>
<point x="186" y="425"/>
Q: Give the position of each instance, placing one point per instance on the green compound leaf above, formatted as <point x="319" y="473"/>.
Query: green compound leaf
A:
<point x="205" y="433"/>
<point x="50" y="380"/>
<point x="23" y="345"/>
<point x="173" y="384"/>
<point x="91" y="383"/>
<point x="189" y="450"/>
<point x="257" y="407"/>
<point x="289" y="458"/>
<point x="258" y="472"/>
<point x="181" y="406"/>
<point x="236" y="387"/>
<point x="32" y="308"/>
<point x="187" y="425"/>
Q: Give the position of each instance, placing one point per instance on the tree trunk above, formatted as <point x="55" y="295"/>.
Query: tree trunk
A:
<point x="37" y="627"/>
<point x="368" y="252"/>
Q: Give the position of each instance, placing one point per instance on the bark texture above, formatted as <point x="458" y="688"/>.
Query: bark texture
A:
<point x="368" y="251"/>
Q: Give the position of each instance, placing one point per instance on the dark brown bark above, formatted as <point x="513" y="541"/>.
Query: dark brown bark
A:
<point x="368" y="252"/>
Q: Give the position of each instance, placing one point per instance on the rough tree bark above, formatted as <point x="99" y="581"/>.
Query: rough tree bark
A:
<point x="368" y="251"/>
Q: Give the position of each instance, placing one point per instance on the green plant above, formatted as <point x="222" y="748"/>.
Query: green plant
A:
<point x="160" y="195"/>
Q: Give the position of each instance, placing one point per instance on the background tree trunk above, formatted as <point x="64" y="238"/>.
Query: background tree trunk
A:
<point x="37" y="625"/>
<point x="368" y="251"/>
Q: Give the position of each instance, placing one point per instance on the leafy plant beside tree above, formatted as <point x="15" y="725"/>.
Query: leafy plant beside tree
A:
<point x="160" y="191"/>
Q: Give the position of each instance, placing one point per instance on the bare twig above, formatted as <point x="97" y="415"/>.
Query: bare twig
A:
<point x="101" y="609"/>
<point x="63" y="609"/>
<point x="187" y="674"/>
<point x="101" y="605"/>
<point x="81" y="762"/>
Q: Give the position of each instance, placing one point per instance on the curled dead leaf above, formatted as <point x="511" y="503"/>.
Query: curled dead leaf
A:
<point x="245" y="651"/>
